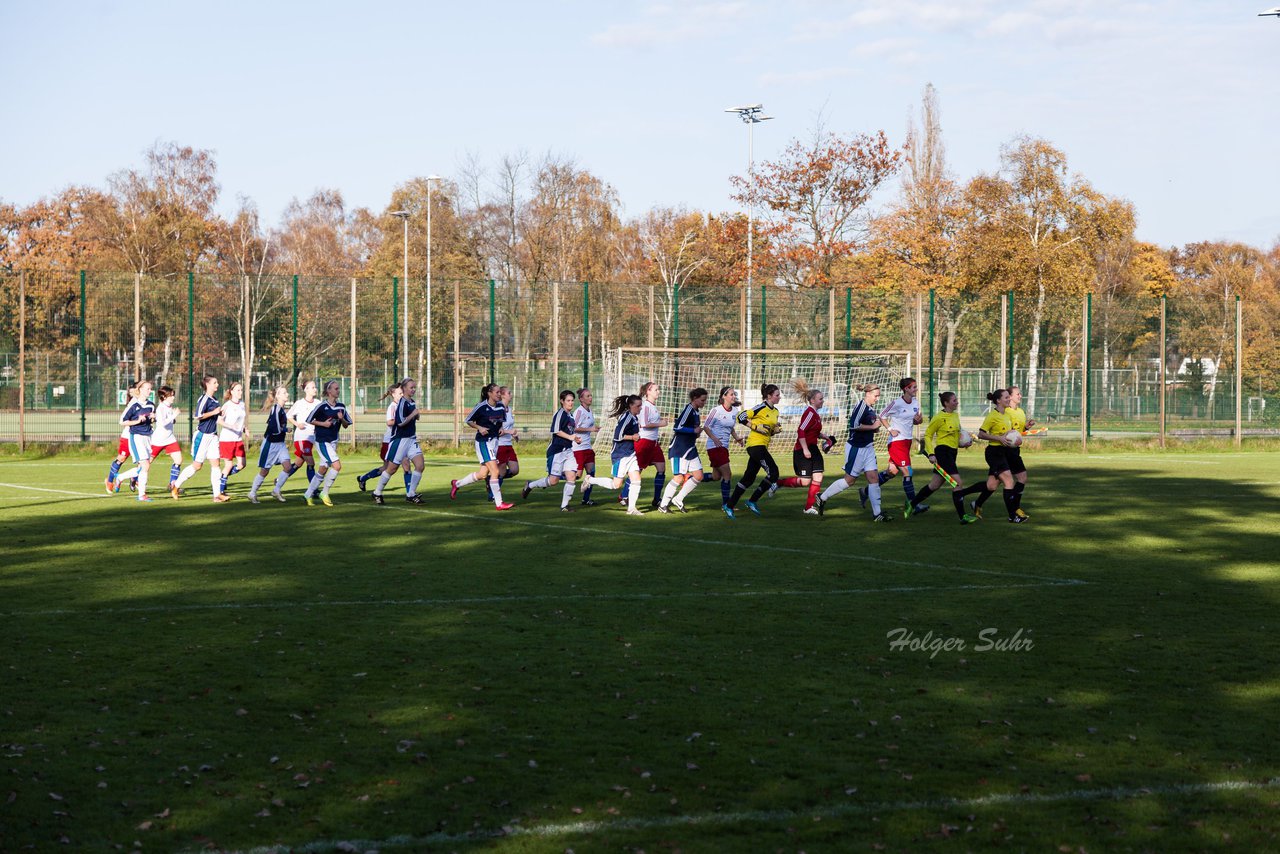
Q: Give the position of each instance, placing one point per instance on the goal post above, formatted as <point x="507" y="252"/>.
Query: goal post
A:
<point x="677" y="371"/>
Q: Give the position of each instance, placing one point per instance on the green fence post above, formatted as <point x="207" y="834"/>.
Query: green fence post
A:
<point x="294" y="369"/>
<point x="84" y="364"/>
<point x="848" y="318"/>
<point x="933" y="388"/>
<point x="395" y="324"/>
<point x="586" y="334"/>
<point x="764" y="318"/>
<point x="191" y="354"/>
<point x="1088" y="391"/>
<point x="493" y="332"/>
<point x="675" y="299"/>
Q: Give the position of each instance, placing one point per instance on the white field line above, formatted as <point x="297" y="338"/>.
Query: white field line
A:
<point x="57" y="491"/>
<point x="507" y="600"/>
<point x="770" y="817"/>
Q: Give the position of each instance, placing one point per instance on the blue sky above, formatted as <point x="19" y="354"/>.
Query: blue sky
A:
<point x="1172" y="105"/>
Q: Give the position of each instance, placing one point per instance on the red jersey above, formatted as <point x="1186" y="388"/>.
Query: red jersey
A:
<point x="810" y="429"/>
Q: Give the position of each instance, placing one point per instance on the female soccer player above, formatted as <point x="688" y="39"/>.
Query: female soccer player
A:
<point x="233" y="435"/>
<point x="329" y="417"/>
<point x="941" y="444"/>
<point x="806" y="456"/>
<point x="686" y="465"/>
<point x="902" y="414"/>
<point x="720" y="433"/>
<point x="648" y="451"/>
<point x="395" y="393"/>
<point x="138" y="418"/>
<point x="162" y="439"/>
<point x="204" y="444"/>
<point x="508" y="459"/>
<point x="584" y="430"/>
<point x="122" y="449"/>
<point x="303" y="432"/>
<point x="486" y="419"/>
<point x="626" y="469"/>
<point x="994" y="431"/>
<point x="1018" y="418"/>
<point x="860" y="454"/>
<point x="404" y="451"/>
<point x="275" y="445"/>
<point x="762" y="421"/>
<point x="560" y="459"/>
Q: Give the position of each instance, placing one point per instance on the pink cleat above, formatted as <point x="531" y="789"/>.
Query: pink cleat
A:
<point x="506" y="505"/>
<point x="453" y="489"/>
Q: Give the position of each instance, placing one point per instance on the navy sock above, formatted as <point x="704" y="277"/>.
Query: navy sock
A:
<point x="371" y="473"/>
<point x="909" y="487"/>
<point x="626" y="490"/>
<point x="115" y="469"/>
<point x="174" y="471"/>
<point x="586" y="490"/>
<point x="725" y="490"/>
<point x="886" y="476"/>
<point x="659" y="480"/>
<point x="311" y="472"/>
<point x="408" y="475"/>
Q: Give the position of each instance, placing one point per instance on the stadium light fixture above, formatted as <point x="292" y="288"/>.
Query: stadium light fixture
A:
<point x="403" y="216"/>
<point x="430" y="178"/>
<point x="751" y="116"/>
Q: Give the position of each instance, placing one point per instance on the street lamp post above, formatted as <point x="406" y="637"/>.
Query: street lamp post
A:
<point x="403" y="216"/>
<point x="430" y="178"/>
<point x="751" y="116"/>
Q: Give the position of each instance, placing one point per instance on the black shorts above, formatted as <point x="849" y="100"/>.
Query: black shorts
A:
<point x="1014" y="455"/>
<point x="807" y="468"/>
<point x="946" y="457"/>
<point x="997" y="459"/>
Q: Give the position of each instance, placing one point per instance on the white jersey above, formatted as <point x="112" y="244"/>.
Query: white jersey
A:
<point x="901" y="417"/>
<point x="583" y="419"/>
<point x="505" y="440"/>
<point x="124" y="432"/>
<point x="390" y="432"/>
<point x="304" y="432"/>
<point x="162" y="432"/>
<point x="232" y="419"/>
<point x="719" y="423"/>
<point x="649" y="415"/>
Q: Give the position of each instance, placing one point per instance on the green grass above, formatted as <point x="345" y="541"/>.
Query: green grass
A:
<point x="182" y="675"/>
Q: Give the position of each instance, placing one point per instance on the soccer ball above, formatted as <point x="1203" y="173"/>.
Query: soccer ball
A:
<point x="1013" y="438"/>
<point x="827" y="444"/>
<point x="966" y="439"/>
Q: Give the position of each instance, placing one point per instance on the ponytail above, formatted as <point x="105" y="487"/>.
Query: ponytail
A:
<point x="725" y="391"/>
<point x="997" y="394"/>
<point x="164" y="394"/>
<point x="622" y="404"/>
<point x="767" y="389"/>
<point x="697" y="393"/>
<point x="801" y="388"/>
<point x="484" y="391"/>
<point x="392" y="390"/>
<point x="904" y="382"/>
<point x="227" y="396"/>
<point x="946" y="396"/>
<point x="867" y="388"/>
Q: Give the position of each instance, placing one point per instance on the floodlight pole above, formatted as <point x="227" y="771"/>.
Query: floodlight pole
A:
<point x="751" y="116"/>
<point x="403" y="216"/>
<point x="430" y="178"/>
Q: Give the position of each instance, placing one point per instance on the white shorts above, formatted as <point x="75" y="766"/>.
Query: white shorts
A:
<point x="561" y="462"/>
<point x="403" y="449"/>
<point x="681" y="465"/>
<point x="140" y="448"/>
<point x="274" y="454"/>
<point x="625" y="466"/>
<point x="204" y="448"/>
<point x="326" y="452"/>
<point x="859" y="460"/>
<point x="487" y="450"/>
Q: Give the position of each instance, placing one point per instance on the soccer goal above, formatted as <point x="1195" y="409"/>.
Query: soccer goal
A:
<point x="836" y="373"/>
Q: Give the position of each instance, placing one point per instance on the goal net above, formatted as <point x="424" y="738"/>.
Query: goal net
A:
<point x="836" y="373"/>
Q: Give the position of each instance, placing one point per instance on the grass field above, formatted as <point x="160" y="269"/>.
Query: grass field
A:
<point x="183" y="676"/>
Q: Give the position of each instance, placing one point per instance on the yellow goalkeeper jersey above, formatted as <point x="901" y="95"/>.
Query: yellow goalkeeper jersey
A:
<point x="760" y="417"/>
<point x="943" y="429"/>
<point x="1017" y="418"/>
<point x="997" y="423"/>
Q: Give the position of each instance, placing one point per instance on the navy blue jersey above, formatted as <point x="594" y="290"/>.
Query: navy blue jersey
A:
<point x="203" y="405"/>
<point x="628" y="424"/>
<point x="561" y="422"/>
<point x="325" y="411"/>
<point x="277" y="425"/>
<point x="485" y="415"/>
<point x="401" y="429"/>
<point x="866" y="416"/>
<point x="685" y="432"/>
<point x="138" y="409"/>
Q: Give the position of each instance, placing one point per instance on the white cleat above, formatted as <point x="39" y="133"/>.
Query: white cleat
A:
<point x="812" y="511"/>
<point x="636" y="512"/>
<point x="253" y="499"/>
<point x="277" y="496"/>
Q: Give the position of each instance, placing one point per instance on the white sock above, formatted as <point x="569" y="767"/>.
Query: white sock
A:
<point x="142" y="481"/>
<point x="129" y="475"/>
<point x="468" y="480"/>
<point x="633" y="494"/>
<point x="382" y="483"/>
<point x="605" y="482"/>
<point x="257" y="481"/>
<point x="329" y="478"/>
<point x="568" y="493"/>
<point x="186" y="475"/>
<point x="215" y="480"/>
<point x="497" y="492"/>
<point x="540" y="483"/>
<point x="281" y="478"/>
<point x="314" y="485"/>
<point x="414" y="480"/>
<point x="837" y="486"/>
<point x="669" y="492"/>
<point x="873" y="493"/>
<point x="689" y="484"/>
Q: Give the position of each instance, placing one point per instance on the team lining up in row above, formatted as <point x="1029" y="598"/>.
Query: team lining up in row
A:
<point x="148" y="434"/>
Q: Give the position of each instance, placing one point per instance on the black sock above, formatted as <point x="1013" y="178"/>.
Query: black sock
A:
<point x="1017" y="495"/>
<point x="737" y="493"/>
<point x="974" y="489"/>
<point x="922" y="494"/>
<point x="1010" y="501"/>
<point x="957" y="498"/>
<point x="761" y="489"/>
<point x="985" y="494"/>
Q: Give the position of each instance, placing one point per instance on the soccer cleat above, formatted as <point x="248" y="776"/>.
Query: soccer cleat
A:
<point x="1020" y="514"/>
<point x="773" y="488"/>
<point x="812" y="511"/>
<point x="221" y="498"/>
<point x="110" y="485"/>
<point x="133" y="485"/>
<point x="882" y="517"/>
<point x="253" y="499"/>
<point x="907" y="510"/>
<point x="324" y="497"/>
<point x="622" y="501"/>
<point x="115" y="486"/>
<point x="360" y="481"/>
<point x="566" y="509"/>
<point x="1017" y="520"/>
<point x="277" y="496"/>
<point x="377" y="499"/>
<point x="639" y="512"/>
<point x="311" y="501"/>
<point x="977" y="511"/>
<point x="587" y="502"/>
<point x="862" y="497"/>
<point x="751" y="505"/>
<point x="679" y="506"/>
<point x="662" y="508"/>
<point x="728" y="511"/>
<point x="655" y="502"/>
<point x="173" y="491"/>
<point x="506" y="505"/>
<point x="525" y="490"/>
<point x="820" y="504"/>
<point x="453" y="489"/>
<point x="921" y="508"/>
<point x="412" y="499"/>
<point x="968" y="519"/>
<point x="145" y="497"/>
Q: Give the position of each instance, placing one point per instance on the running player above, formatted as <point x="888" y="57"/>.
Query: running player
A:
<point x="486" y="419"/>
<point x="329" y="417"/>
<point x="584" y="431"/>
<point x="686" y="465"/>
<point x="162" y="439"/>
<point x="404" y="451"/>
<point x="648" y="451"/>
<point x="720" y="433"/>
<point x="1018" y="418"/>
<point x="941" y="444"/>
<point x="860" y="454"/>
<point x="122" y="448"/>
<point x="762" y="421"/>
<point x="233" y="435"/>
<point x="303" y="432"/>
<point x="395" y="393"/>
<point x="204" y="444"/>
<point x="275" y="445"/>
<point x="902" y="414"/>
<point x="625" y="468"/>
<point x="994" y="431"/>
<point x="806" y="456"/>
<point x="560" y="460"/>
<point x="508" y="459"/>
<point x="138" y="418"/>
